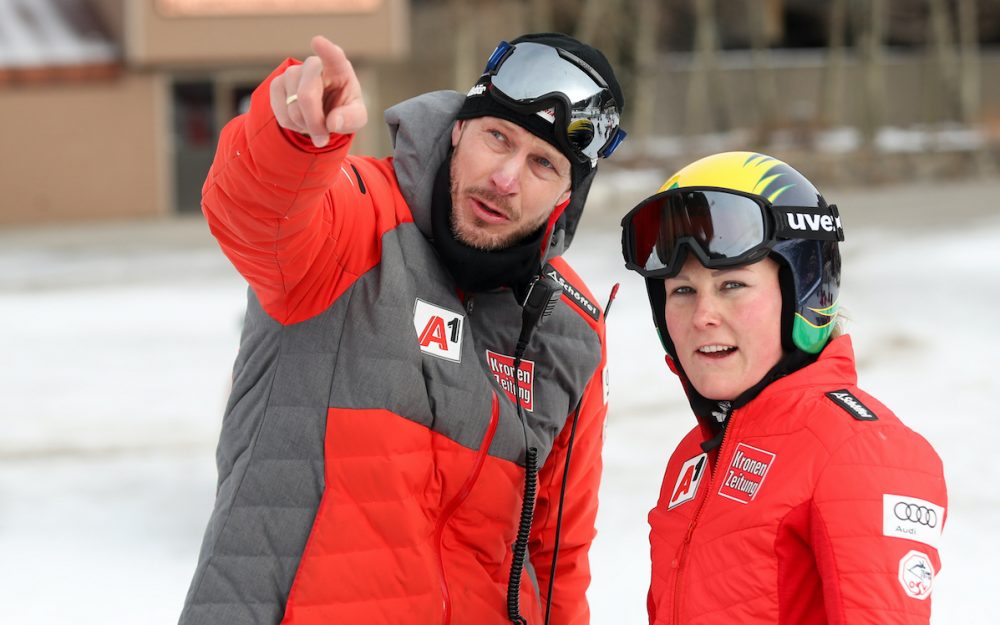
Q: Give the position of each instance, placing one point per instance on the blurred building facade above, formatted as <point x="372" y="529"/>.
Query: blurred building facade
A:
<point x="112" y="107"/>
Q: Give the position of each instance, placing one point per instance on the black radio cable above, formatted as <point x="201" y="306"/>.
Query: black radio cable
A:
<point x="565" y="478"/>
<point x="543" y="294"/>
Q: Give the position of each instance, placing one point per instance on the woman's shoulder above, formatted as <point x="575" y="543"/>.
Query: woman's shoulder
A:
<point x="856" y="428"/>
<point x="838" y="416"/>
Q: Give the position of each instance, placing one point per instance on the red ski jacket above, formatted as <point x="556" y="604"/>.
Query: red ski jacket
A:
<point x="819" y="507"/>
<point x="371" y="460"/>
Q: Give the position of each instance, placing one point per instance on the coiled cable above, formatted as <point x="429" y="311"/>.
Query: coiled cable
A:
<point x="539" y="302"/>
<point x="520" y="548"/>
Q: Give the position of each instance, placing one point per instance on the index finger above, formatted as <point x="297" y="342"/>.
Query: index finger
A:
<point x="336" y="66"/>
<point x="310" y="101"/>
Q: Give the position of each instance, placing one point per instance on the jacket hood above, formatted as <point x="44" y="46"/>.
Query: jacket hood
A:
<point x="420" y="129"/>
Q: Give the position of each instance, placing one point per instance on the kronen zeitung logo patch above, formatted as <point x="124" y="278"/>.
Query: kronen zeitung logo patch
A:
<point x="521" y="382"/>
<point x="746" y="472"/>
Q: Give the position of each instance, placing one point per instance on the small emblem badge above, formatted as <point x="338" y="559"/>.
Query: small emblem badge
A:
<point x="916" y="574"/>
<point x="912" y="518"/>
<point x="746" y="473"/>
<point x="852" y="405"/>
<point x="687" y="480"/>
<point x="439" y="330"/>
<point x="503" y="370"/>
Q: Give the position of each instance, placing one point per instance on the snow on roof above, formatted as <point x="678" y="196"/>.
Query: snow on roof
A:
<point x="52" y="33"/>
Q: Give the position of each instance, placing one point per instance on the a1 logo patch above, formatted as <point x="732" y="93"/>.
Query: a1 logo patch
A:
<point x="439" y="330"/>
<point x="687" y="480"/>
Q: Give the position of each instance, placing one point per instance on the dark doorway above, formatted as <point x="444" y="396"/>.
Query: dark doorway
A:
<point x="195" y="138"/>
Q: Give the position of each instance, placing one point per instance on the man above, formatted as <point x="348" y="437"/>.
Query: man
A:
<point x="396" y="392"/>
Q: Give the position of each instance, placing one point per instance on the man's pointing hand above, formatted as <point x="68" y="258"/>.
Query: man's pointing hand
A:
<point x="321" y="96"/>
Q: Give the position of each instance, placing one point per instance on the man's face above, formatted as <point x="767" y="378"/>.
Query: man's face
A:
<point x="505" y="182"/>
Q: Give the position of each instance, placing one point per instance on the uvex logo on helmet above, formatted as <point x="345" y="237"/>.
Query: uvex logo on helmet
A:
<point x="813" y="223"/>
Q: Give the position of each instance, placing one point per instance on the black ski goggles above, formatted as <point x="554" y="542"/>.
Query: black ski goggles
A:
<point x="721" y="227"/>
<point x="525" y="75"/>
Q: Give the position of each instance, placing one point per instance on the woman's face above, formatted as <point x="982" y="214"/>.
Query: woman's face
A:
<point x="725" y="325"/>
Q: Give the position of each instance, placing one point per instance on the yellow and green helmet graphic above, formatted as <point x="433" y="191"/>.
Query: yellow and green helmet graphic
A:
<point x="810" y="270"/>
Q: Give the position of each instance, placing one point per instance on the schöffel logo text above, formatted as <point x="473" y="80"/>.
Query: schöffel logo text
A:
<point x="852" y="405"/>
<point x="575" y="295"/>
<point x="813" y="223"/>
<point x="746" y="473"/>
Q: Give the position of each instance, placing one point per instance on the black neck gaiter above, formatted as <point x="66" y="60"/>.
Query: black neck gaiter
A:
<point x="476" y="270"/>
<point x="715" y="414"/>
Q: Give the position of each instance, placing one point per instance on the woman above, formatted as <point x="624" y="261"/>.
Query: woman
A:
<point x="798" y="497"/>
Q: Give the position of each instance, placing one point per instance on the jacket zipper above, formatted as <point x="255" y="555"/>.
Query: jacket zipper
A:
<point x="681" y="559"/>
<point x="457" y="500"/>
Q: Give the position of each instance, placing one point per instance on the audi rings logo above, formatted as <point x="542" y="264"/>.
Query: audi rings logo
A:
<point x="912" y="518"/>
<point x="906" y="511"/>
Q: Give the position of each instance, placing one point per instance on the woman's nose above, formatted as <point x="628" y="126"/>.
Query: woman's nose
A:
<point x="706" y="312"/>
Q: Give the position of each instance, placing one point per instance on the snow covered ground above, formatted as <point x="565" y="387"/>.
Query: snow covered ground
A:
<point x="119" y="338"/>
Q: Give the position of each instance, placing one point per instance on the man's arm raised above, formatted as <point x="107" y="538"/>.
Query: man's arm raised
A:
<point x="273" y="198"/>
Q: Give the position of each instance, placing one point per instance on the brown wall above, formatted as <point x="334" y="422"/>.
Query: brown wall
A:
<point x="913" y="95"/>
<point x="81" y="150"/>
<point x="155" y="39"/>
<point x="112" y="16"/>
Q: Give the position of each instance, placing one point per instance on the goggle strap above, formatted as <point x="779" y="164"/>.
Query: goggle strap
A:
<point x="808" y="222"/>
<point x="613" y="144"/>
<point x="494" y="61"/>
<point x="583" y="66"/>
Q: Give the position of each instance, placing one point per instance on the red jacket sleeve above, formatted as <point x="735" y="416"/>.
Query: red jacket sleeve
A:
<point x="289" y="216"/>
<point x="877" y="515"/>
<point x="569" y="601"/>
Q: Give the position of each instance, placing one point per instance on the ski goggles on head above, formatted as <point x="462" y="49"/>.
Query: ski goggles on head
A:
<point x="527" y="75"/>
<point x="721" y="227"/>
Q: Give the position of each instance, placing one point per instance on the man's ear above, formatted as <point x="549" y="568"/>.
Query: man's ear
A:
<point x="565" y="196"/>
<point x="456" y="132"/>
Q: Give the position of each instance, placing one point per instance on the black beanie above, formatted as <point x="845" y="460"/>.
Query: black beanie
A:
<point x="484" y="105"/>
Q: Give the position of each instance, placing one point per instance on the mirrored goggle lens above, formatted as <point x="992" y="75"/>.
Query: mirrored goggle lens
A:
<point x="725" y="227"/>
<point x="533" y="72"/>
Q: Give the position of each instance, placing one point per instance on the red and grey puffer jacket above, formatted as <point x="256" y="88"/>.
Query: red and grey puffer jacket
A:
<point x="820" y="507"/>
<point x="371" y="460"/>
